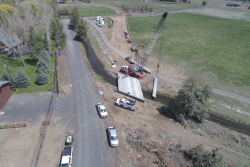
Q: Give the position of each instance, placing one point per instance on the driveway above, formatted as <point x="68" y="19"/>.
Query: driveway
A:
<point x="26" y="108"/>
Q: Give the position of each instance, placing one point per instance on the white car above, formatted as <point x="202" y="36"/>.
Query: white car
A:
<point x="67" y="155"/>
<point x="101" y="110"/>
<point x="112" y="135"/>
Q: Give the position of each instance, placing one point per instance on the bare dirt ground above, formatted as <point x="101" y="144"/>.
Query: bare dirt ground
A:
<point x="148" y="138"/>
<point x="17" y="144"/>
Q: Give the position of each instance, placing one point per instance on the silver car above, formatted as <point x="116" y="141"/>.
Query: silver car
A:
<point x="112" y="135"/>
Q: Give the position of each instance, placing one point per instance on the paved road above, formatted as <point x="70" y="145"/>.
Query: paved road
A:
<point x="91" y="148"/>
<point x="176" y="83"/>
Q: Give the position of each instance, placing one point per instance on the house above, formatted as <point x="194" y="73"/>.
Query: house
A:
<point x="5" y="93"/>
<point x="8" y="43"/>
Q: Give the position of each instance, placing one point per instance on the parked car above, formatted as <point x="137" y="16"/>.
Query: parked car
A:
<point x="67" y="155"/>
<point x="112" y="136"/>
<point x="12" y="54"/>
<point x="101" y="110"/>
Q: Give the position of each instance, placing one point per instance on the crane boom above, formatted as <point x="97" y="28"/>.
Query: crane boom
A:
<point x="158" y="29"/>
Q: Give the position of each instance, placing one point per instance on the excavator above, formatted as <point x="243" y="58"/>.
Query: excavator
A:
<point x="137" y="70"/>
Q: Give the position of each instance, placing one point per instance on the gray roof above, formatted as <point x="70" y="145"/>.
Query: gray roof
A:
<point x="3" y="82"/>
<point x="6" y="39"/>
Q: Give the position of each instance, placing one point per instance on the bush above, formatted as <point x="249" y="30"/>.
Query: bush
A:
<point x="42" y="78"/>
<point x="21" y="80"/>
<point x="202" y="158"/>
<point x="204" y="3"/>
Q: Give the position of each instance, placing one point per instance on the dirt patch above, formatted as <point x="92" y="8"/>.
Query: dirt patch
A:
<point x="17" y="144"/>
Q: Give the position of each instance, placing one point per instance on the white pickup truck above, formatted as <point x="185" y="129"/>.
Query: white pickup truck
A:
<point x="126" y="103"/>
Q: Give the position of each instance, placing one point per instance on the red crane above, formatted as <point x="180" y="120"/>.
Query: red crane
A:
<point x="137" y="70"/>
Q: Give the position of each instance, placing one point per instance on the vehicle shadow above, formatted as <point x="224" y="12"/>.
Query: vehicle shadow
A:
<point x="108" y="137"/>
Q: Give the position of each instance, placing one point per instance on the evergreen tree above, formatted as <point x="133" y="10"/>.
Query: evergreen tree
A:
<point x="31" y="40"/>
<point x="21" y="80"/>
<point x="42" y="78"/>
<point x="75" y="17"/>
<point x="192" y="100"/>
<point x="54" y="29"/>
<point x="45" y="41"/>
<point x="81" y="30"/>
<point x="42" y="65"/>
<point x="4" y="77"/>
<point x="45" y="56"/>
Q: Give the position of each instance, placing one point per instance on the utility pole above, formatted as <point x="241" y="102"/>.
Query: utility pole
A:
<point x="10" y="75"/>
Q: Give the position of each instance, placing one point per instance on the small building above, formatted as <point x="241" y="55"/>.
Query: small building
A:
<point x="5" y="93"/>
<point x="9" y="43"/>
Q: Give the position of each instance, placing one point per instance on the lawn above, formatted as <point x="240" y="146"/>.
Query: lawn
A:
<point x="90" y="11"/>
<point x="215" y="50"/>
<point x="29" y="70"/>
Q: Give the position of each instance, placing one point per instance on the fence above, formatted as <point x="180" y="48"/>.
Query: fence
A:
<point x="14" y="125"/>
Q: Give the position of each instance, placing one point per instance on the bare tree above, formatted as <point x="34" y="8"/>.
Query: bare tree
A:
<point x="46" y="18"/>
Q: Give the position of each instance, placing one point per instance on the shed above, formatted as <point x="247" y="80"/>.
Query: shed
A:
<point x="5" y="93"/>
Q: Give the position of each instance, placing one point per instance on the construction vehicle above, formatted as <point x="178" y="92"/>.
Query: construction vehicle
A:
<point x="129" y="40"/>
<point x="137" y="70"/>
<point x="126" y="103"/>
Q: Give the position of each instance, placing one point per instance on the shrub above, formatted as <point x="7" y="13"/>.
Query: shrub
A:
<point x="42" y="78"/>
<point x="204" y="3"/>
<point x="201" y="157"/>
<point x="21" y="80"/>
<point x="179" y="145"/>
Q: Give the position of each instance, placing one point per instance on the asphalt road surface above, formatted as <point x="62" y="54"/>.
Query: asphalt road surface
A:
<point x="91" y="148"/>
<point x="176" y="83"/>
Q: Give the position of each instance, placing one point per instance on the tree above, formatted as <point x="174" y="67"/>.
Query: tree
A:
<point x="192" y="100"/>
<point x="42" y="65"/>
<point x="75" y="17"/>
<point x="204" y="3"/>
<point x="203" y="158"/>
<point x="42" y="78"/>
<point x="21" y="80"/>
<point x="31" y="40"/>
<point x="142" y="9"/>
<point x="45" y="56"/>
<point x="5" y="76"/>
<point x="146" y="8"/>
<point x="81" y="30"/>
<point x="45" y="41"/>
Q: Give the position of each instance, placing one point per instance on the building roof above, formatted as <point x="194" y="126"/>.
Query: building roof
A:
<point x="3" y="82"/>
<point x="6" y="39"/>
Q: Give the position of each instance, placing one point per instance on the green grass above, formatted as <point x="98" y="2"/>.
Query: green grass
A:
<point x="157" y="6"/>
<point x="90" y="11"/>
<point x="29" y="70"/>
<point x="213" y="49"/>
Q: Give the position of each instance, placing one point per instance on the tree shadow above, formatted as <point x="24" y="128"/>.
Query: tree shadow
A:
<point x="70" y="27"/>
<point x="163" y="110"/>
<point x="31" y="62"/>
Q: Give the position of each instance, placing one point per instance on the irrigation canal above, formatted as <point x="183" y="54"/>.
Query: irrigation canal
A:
<point x="98" y="69"/>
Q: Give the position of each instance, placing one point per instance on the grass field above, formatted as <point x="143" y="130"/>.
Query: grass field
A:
<point x="157" y="6"/>
<point x="29" y="70"/>
<point x="215" y="50"/>
<point x="90" y="11"/>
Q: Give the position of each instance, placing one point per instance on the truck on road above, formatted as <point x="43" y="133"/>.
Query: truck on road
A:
<point x="126" y="103"/>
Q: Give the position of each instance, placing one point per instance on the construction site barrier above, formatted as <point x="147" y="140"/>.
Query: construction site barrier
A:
<point x="14" y="125"/>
